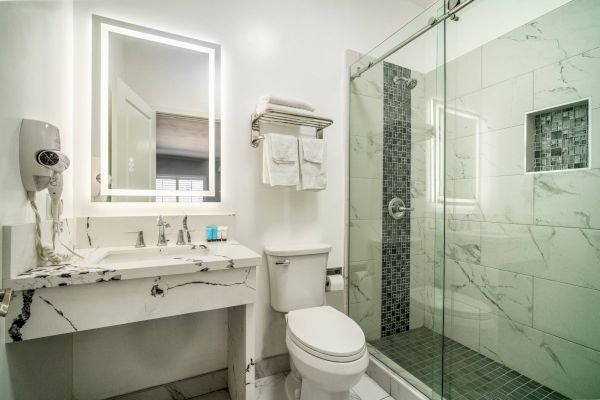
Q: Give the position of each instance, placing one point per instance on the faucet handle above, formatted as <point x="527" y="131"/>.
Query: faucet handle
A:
<point x="180" y="239"/>
<point x="140" y="239"/>
<point x="160" y="221"/>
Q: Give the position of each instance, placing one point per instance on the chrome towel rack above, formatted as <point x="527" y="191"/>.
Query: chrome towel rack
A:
<point x="285" y="118"/>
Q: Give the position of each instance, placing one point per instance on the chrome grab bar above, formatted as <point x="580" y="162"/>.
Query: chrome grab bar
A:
<point x="285" y="262"/>
<point x="5" y="296"/>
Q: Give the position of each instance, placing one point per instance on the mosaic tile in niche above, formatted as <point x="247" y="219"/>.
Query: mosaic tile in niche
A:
<point x="560" y="138"/>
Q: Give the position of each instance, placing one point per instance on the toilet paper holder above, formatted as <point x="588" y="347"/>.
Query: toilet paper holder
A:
<point x="333" y="272"/>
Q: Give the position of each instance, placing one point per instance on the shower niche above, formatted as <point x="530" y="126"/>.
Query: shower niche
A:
<point x="558" y="138"/>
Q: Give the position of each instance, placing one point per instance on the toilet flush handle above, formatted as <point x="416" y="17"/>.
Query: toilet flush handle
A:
<point x="285" y="262"/>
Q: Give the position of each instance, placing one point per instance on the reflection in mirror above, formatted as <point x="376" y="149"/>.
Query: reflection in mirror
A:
<point x="158" y="133"/>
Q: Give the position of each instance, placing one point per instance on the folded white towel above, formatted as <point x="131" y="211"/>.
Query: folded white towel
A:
<point x="263" y="107"/>
<point x="280" y="160"/>
<point x="286" y="101"/>
<point x="313" y="164"/>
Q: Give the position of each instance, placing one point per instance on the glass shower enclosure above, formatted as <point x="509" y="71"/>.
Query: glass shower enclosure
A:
<point x="474" y="201"/>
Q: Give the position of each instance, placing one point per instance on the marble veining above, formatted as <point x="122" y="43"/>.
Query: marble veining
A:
<point x="88" y="270"/>
<point x="19" y="322"/>
<point x="56" y="310"/>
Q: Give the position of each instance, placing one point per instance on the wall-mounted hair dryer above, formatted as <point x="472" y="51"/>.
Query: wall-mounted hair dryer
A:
<point x="42" y="165"/>
<point x="40" y="158"/>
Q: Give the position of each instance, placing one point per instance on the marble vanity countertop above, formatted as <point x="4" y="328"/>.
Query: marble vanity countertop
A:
<point x="121" y="263"/>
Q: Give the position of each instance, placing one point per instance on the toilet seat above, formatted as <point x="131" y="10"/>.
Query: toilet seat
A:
<point x="326" y="333"/>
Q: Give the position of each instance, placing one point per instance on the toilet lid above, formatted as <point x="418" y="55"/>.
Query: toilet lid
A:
<point x="326" y="331"/>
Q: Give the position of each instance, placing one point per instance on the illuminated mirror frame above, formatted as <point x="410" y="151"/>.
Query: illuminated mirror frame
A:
<point x="103" y="27"/>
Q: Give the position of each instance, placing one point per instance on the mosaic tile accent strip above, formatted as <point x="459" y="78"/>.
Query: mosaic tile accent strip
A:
<point x="467" y="375"/>
<point x="396" y="183"/>
<point x="560" y="139"/>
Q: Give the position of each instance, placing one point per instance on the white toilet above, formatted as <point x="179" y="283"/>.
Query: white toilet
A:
<point x="328" y="353"/>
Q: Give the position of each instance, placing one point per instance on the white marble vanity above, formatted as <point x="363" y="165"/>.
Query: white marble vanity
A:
<point x="116" y="284"/>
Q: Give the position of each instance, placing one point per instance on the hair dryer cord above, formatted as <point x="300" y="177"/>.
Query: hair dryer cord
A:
<point x="46" y="254"/>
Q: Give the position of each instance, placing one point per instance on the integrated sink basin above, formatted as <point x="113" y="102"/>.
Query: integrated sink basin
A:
<point x="150" y="254"/>
<point x="117" y="263"/>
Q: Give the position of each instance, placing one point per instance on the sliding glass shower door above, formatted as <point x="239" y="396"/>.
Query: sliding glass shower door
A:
<point x="396" y="208"/>
<point x="522" y="265"/>
<point x="474" y="219"/>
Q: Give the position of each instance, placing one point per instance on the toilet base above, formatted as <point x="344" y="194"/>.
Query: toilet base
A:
<point x="297" y="388"/>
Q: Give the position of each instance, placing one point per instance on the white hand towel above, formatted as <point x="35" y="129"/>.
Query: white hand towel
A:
<point x="289" y="102"/>
<point x="313" y="164"/>
<point x="280" y="160"/>
<point x="284" y="148"/>
<point x="263" y="107"/>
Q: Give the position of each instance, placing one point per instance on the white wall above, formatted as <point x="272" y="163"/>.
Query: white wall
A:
<point x="35" y="77"/>
<point x="291" y="49"/>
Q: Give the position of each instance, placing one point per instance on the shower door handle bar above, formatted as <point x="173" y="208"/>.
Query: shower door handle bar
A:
<point x="397" y="208"/>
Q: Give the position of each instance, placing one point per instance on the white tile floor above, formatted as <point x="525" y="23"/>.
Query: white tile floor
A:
<point x="271" y="388"/>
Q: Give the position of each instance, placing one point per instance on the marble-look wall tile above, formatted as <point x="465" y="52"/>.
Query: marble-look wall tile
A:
<point x="417" y="294"/>
<point x="571" y="79"/>
<point x="364" y="241"/>
<point x="569" y="255"/>
<point x="568" y="198"/>
<point x="366" y="116"/>
<point x="368" y="316"/>
<point x="418" y="109"/>
<point x="495" y="107"/>
<point x="463" y="74"/>
<point x="419" y="157"/>
<point x="365" y="198"/>
<point x="562" y="365"/>
<point x="420" y="199"/>
<point x="567" y="311"/>
<point x="364" y="281"/>
<point x="463" y="240"/>
<point x="366" y="156"/>
<point x="502" y="152"/>
<point x="370" y="83"/>
<point x="463" y="116"/>
<point x="417" y="236"/>
<point x="497" y="199"/>
<point x="490" y="290"/>
<point x="461" y="321"/>
<point x="462" y="157"/>
<point x="549" y="39"/>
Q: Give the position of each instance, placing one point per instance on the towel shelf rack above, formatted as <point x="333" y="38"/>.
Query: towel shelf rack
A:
<point x="285" y="118"/>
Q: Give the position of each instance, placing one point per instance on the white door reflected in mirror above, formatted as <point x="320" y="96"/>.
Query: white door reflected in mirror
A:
<point x="157" y="137"/>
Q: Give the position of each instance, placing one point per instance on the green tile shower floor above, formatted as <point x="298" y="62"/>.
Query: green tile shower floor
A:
<point x="468" y="375"/>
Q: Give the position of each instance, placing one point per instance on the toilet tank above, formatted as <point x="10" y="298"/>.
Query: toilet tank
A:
<point x="297" y="275"/>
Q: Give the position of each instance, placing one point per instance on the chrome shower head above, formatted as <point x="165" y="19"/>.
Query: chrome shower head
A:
<point x="407" y="82"/>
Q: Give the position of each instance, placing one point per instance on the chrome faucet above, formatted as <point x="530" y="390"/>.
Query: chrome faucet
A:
<point x="162" y="224"/>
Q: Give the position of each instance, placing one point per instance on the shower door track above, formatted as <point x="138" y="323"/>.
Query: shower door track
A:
<point x="433" y="22"/>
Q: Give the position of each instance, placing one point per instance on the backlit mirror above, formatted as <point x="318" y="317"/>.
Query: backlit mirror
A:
<point x="156" y="116"/>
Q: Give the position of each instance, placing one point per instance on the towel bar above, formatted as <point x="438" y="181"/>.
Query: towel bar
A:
<point x="285" y="118"/>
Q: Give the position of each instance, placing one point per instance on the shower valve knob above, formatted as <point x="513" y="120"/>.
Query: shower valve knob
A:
<point x="397" y="208"/>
